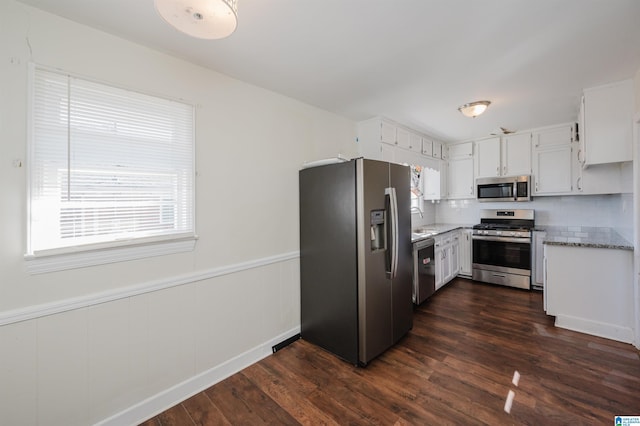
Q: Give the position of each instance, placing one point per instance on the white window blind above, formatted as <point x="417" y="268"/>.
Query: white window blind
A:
<point x="108" y="166"/>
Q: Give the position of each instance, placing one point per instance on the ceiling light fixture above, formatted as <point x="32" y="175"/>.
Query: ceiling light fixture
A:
<point x="474" y="109"/>
<point x="206" y="19"/>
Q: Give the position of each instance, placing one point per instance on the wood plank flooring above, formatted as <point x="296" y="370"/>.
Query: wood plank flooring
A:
<point x="454" y="367"/>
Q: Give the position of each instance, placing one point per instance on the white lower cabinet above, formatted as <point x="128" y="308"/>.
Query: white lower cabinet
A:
<point x="601" y="279"/>
<point x="465" y="252"/>
<point x="439" y="256"/>
<point x="447" y="256"/>
<point x="454" y="254"/>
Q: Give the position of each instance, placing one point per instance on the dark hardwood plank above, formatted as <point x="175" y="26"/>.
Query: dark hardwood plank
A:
<point x="203" y="411"/>
<point x="454" y="367"/>
<point x="176" y="415"/>
<point x="242" y="402"/>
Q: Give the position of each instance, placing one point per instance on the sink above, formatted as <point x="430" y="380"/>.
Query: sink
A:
<point x="425" y="230"/>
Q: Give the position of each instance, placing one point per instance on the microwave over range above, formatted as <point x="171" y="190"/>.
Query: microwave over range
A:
<point x="513" y="188"/>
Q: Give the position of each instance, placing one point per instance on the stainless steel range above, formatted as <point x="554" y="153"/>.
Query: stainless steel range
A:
<point x="502" y="247"/>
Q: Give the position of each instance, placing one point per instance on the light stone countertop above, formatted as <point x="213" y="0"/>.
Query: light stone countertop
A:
<point x="584" y="236"/>
<point x="434" y="229"/>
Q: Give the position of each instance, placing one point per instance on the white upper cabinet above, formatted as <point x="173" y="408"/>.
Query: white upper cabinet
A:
<point x="387" y="133"/>
<point x="415" y="142"/>
<point x="488" y="162"/>
<point x="460" y="180"/>
<point x="432" y="183"/>
<point x="552" y="160"/>
<point x="382" y="139"/>
<point x="437" y="149"/>
<point x="402" y="138"/>
<point x="377" y="140"/>
<point x="607" y="124"/>
<point x="504" y="156"/>
<point x="516" y="154"/>
<point x="427" y="147"/>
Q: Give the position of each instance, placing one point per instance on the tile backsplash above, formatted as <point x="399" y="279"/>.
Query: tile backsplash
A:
<point x="614" y="211"/>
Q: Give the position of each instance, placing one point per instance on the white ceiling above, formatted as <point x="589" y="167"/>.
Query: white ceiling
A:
<point x="413" y="61"/>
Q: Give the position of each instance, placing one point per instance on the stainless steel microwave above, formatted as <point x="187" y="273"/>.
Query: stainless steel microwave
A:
<point x="513" y="188"/>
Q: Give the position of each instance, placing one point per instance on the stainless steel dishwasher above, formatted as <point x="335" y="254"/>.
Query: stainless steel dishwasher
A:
<point x="424" y="270"/>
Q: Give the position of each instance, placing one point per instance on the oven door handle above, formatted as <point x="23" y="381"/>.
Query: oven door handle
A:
<point x="502" y="239"/>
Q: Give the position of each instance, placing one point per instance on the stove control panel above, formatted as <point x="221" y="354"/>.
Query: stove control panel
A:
<point x="503" y="233"/>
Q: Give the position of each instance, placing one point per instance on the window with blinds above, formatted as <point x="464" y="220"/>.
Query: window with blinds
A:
<point x="107" y="166"/>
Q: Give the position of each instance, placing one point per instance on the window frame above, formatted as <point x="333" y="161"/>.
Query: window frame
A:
<point x="77" y="256"/>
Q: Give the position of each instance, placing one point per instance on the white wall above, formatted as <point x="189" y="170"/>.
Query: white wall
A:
<point x="82" y="345"/>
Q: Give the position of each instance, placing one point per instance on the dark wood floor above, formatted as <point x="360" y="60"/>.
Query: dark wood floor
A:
<point x="455" y="367"/>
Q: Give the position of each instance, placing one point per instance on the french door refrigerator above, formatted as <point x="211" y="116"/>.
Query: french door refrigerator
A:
<point x="355" y="257"/>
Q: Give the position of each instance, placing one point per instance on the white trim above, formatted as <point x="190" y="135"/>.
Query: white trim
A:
<point x="160" y="402"/>
<point x="595" y="328"/>
<point x="37" y="311"/>
<point x="636" y="228"/>
<point x="80" y="259"/>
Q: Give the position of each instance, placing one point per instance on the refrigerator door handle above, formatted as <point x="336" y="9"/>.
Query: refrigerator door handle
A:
<point x="393" y="207"/>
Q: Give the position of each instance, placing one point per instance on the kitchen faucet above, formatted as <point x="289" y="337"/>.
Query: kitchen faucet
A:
<point x="418" y="209"/>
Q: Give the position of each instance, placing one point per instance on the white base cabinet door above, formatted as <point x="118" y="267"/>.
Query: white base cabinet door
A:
<point x="465" y="252"/>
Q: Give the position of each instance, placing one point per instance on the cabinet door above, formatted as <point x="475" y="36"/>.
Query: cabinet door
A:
<point x="516" y="154"/>
<point x="439" y="261"/>
<point x="431" y="183"/>
<point x="552" y="170"/>
<point x="455" y="255"/>
<point x="388" y="153"/>
<point x="608" y="118"/>
<point x="446" y="264"/>
<point x="415" y="142"/>
<point x="460" y="150"/>
<point x="427" y="147"/>
<point x="464" y="253"/>
<point x="437" y="149"/>
<point x="552" y="137"/>
<point x="488" y="157"/>
<point x="460" y="184"/>
<point x="402" y="138"/>
<point x="387" y="133"/>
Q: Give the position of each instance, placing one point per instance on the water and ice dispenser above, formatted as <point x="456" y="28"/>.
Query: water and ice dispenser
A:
<point x="378" y="230"/>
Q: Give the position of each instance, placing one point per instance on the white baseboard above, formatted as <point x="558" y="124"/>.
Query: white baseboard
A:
<point x="595" y="328"/>
<point x="168" y="398"/>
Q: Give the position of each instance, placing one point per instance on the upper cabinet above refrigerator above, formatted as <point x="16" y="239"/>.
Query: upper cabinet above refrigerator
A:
<point x="606" y="124"/>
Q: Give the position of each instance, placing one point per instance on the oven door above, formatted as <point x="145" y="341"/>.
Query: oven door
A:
<point x="502" y="260"/>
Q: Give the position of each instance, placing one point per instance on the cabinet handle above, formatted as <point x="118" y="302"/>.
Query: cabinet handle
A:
<point x="579" y="183"/>
<point x="498" y="170"/>
<point x="504" y="170"/>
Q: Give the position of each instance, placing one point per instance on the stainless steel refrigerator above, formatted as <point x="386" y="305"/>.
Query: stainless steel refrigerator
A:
<point x="355" y="257"/>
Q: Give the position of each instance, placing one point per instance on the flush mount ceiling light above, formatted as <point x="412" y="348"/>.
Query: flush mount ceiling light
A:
<point x="206" y="19"/>
<point x="474" y="109"/>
